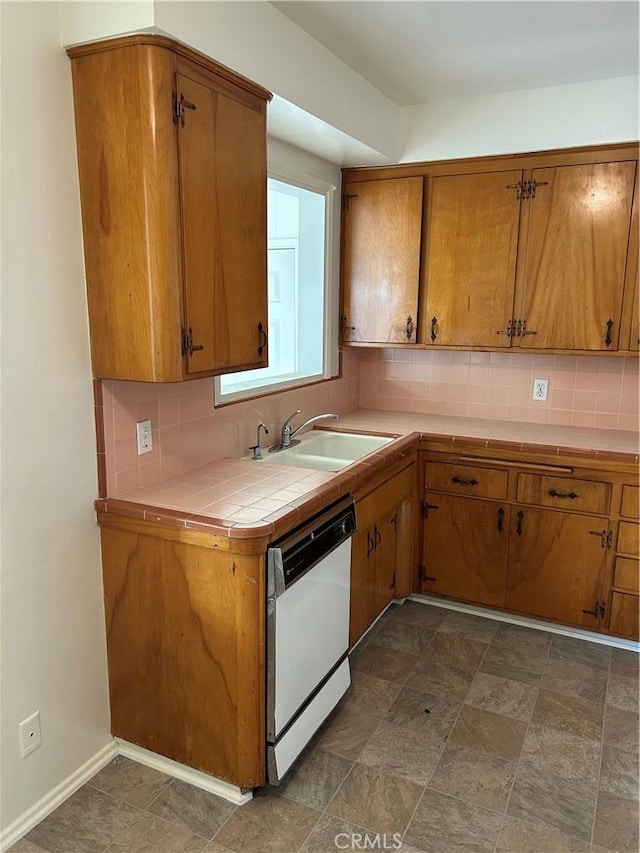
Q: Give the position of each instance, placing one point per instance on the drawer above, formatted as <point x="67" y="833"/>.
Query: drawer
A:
<point x="627" y="574"/>
<point x="624" y="615"/>
<point x="630" y="502"/>
<point x="466" y="480"/>
<point x="628" y="538"/>
<point x="564" y="493"/>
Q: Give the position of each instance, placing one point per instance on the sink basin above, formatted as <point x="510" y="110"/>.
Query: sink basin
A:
<point x="327" y="451"/>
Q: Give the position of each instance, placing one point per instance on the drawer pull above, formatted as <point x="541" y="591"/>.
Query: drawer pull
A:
<point x="460" y="482"/>
<point x="553" y="493"/>
<point x="500" y="524"/>
<point x="520" y="520"/>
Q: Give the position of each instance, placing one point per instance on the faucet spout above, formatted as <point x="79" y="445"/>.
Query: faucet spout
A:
<point x="328" y="415"/>
<point x="288" y="434"/>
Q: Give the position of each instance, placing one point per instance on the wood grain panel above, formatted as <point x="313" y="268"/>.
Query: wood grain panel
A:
<point x="381" y="260"/>
<point x="185" y="641"/>
<point x="629" y="538"/>
<point x="466" y="480"/>
<point x="130" y="212"/>
<point x="574" y="266"/>
<point x="555" y="565"/>
<point x="564" y="493"/>
<point x="625" y="615"/>
<point x="465" y="549"/>
<point x="473" y="239"/>
<point x="630" y="507"/>
<point x="223" y="191"/>
<point x="626" y="574"/>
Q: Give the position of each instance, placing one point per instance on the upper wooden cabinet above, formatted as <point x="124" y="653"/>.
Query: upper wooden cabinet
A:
<point x="382" y="222"/>
<point x="172" y="165"/>
<point x="473" y="240"/>
<point x="574" y="255"/>
<point x="531" y="251"/>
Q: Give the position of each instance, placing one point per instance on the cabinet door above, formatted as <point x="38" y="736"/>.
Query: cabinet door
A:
<point x="385" y="561"/>
<point x="465" y="548"/>
<point x="473" y="239"/>
<point x="555" y="565"/>
<point x="634" y="337"/>
<point x="574" y="266"/>
<point x="362" y="608"/>
<point x="381" y="261"/>
<point x="223" y="193"/>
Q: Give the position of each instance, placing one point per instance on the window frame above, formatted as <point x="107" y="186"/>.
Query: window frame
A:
<point x="330" y="370"/>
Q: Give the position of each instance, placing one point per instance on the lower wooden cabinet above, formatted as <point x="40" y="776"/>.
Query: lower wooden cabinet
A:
<point x="465" y="548"/>
<point x="382" y="547"/>
<point x="552" y="540"/>
<point x="185" y="642"/>
<point x="556" y="560"/>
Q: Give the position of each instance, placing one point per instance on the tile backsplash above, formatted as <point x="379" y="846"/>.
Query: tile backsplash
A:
<point x="589" y="391"/>
<point x="189" y="432"/>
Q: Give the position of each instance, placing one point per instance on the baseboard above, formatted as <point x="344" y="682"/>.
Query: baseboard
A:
<point x="186" y="774"/>
<point x="527" y="622"/>
<point x="57" y="796"/>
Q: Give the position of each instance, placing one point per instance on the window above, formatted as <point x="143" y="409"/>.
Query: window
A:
<point x="300" y="293"/>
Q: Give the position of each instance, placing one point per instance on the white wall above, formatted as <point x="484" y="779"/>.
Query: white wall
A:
<point x="256" y="40"/>
<point x="600" y="111"/>
<point x="53" y="636"/>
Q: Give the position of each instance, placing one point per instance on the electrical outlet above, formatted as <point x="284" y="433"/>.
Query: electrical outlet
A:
<point x="30" y="734"/>
<point x="540" y="389"/>
<point x="144" y="437"/>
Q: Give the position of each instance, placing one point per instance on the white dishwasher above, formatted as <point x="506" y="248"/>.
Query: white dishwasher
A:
<point x="308" y="595"/>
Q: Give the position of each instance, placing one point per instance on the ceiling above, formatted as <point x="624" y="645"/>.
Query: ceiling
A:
<point x="432" y="50"/>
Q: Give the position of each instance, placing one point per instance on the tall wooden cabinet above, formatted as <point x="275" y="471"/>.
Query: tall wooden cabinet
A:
<point x="172" y="166"/>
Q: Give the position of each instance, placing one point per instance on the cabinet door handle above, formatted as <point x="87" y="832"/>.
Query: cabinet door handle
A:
<point x="500" y="524"/>
<point x="519" y="525"/>
<point x="370" y="545"/>
<point x="377" y="535"/>
<point x="595" y="611"/>
<point x="553" y="493"/>
<point x="460" y="482"/>
<point x="263" y="339"/>
<point x="609" y="340"/>
<point x="188" y="345"/>
<point x="434" y="324"/>
<point x="409" y="328"/>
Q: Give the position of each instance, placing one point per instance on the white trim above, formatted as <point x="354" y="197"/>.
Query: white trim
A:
<point x="187" y="774"/>
<point x="525" y="621"/>
<point x="57" y="796"/>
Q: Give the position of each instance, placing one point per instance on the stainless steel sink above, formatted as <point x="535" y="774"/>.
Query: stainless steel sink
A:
<point x="322" y="450"/>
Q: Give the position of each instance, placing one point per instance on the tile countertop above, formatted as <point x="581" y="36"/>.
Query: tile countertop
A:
<point x="240" y="498"/>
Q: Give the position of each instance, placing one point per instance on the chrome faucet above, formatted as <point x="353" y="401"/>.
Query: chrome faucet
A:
<point x="288" y="436"/>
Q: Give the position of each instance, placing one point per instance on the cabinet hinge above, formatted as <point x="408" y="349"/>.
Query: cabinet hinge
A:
<point x="602" y="609"/>
<point x="609" y="540"/>
<point x="343" y="325"/>
<point x="425" y="507"/>
<point x="422" y="573"/>
<point x="346" y="199"/>
<point x="179" y="106"/>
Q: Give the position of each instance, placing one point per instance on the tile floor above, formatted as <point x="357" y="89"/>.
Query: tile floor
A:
<point x="460" y="733"/>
